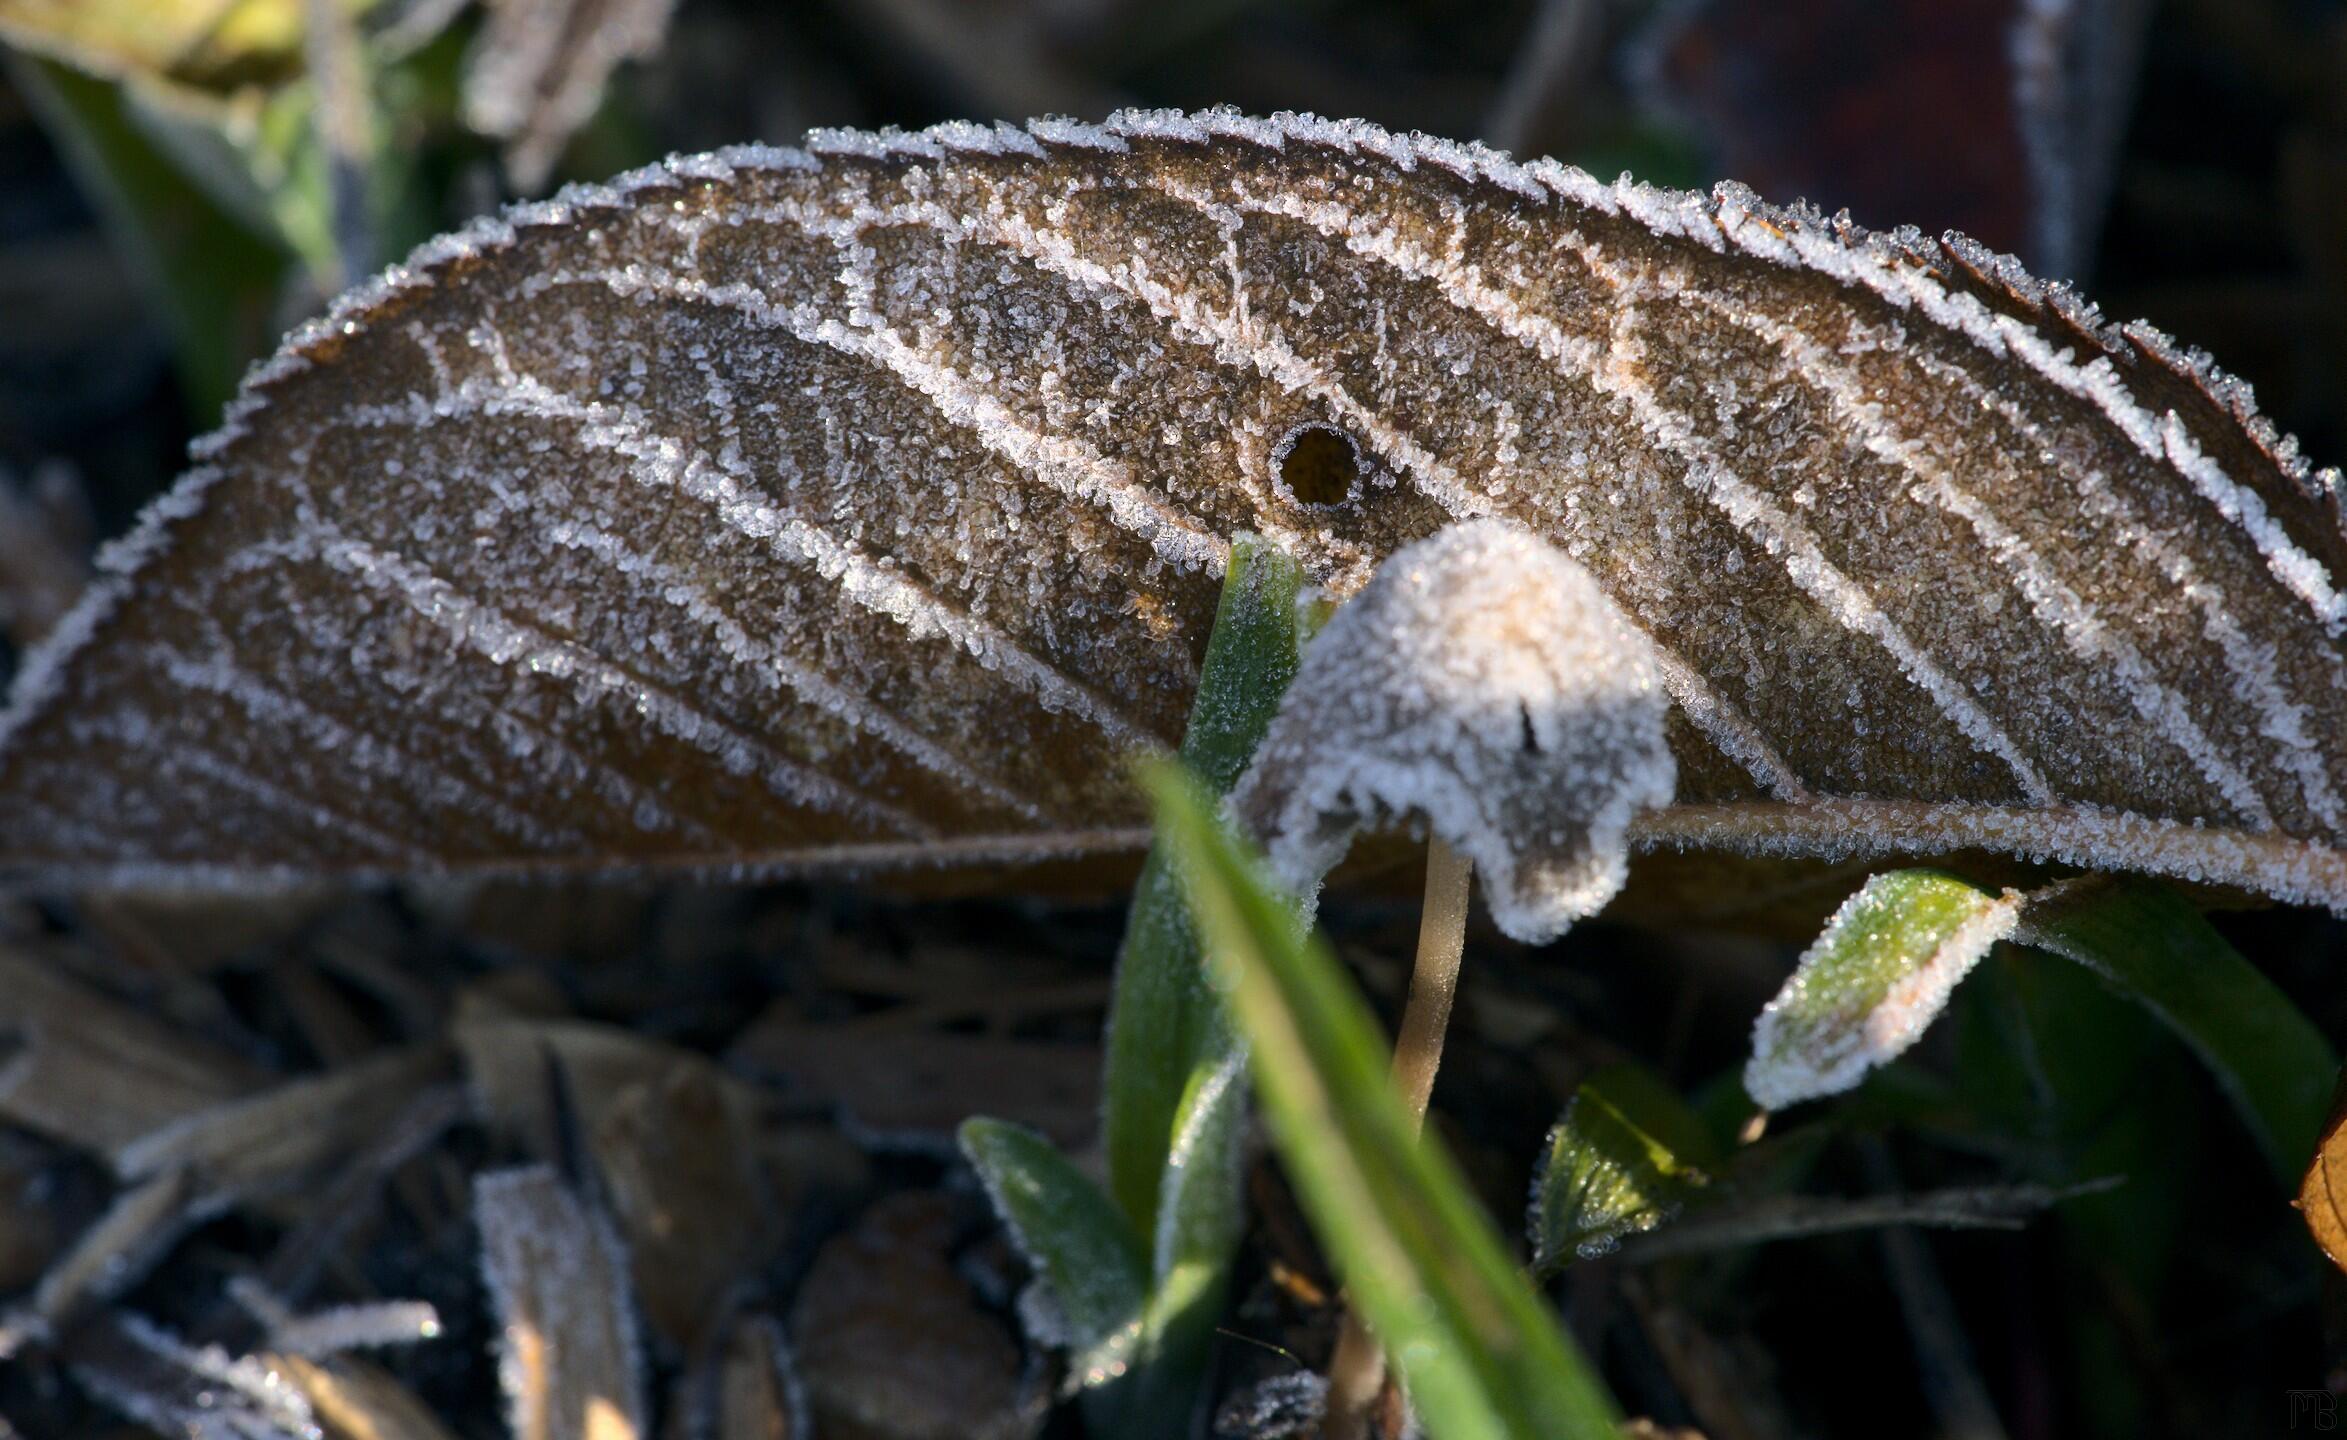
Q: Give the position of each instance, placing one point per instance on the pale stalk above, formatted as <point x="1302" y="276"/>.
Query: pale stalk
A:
<point x="1356" y="1373"/>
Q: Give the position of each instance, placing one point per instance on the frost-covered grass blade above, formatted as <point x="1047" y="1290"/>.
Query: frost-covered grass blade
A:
<point x="1480" y="1353"/>
<point x="1885" y="966"/>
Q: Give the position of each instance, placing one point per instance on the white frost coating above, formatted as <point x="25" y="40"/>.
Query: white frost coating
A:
<point x="1908" y="270"/>
<point x="1157" y="125"/>
<point x="1073" y="467"/>
<point x="505" y="640"/>
<point x="1721" y="723"/>
<point x="1726" y="727"/>
<point x="1484" y="685"/>
<point x="1572" y="183"/>
<point x="1851" y="1006"/>
<point x="2161" y="438"/>
<point x="2088" y="634"/>
<point x="1779" y="533"/>
<point x="871" y="144"/>
<point x="657" y="462"/>
<point x="208" y="1395"/>
<point x="270" y="708"/>
<point x="2249" y="662"/>
<point x="768" y="159"/>
<point x="1058" y="130"/>
<point x="2296" y="872"/>
<point x="368" y="1326"/>
<point x="965" y="137"/>
<point x="860" y="579"/>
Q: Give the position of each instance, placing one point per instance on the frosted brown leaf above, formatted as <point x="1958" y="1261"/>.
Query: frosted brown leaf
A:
<point x="863" y="504"/>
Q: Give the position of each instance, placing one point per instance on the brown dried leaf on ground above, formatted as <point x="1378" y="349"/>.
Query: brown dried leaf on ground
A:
<point x="893" y="1346"/>
<point x="678" y="1153"/>
<point x="119" y="1248"/>
<point x="200" y="1392"/>
<point x="906" y="1082"/>
<point x="264" y="1143"/>
<point x="747" y="1388"/>
<point x="675" y="1142"/>
<point x="92" y="1071"/>
<point x="354" y="1400"/>
<point x="569" y="1361"/>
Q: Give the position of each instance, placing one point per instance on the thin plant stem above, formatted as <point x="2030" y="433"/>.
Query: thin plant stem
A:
<point x="1356" y="1373"/>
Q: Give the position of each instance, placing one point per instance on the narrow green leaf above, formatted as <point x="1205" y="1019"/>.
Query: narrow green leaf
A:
<point x="1166" y="1030"/>
<point x="1201" y="1217"/>
<point x="1622" y="1160"/>
<point x="1481" y="1353"/>
<point x="2151" y="945"/>
<point x="1173" y="1081"/>
<point x="1880" y="974"/>
<point x="1072" y="1237"/>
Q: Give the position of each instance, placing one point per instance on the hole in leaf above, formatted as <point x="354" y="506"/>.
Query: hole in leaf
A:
<point x="1318" y="465"/>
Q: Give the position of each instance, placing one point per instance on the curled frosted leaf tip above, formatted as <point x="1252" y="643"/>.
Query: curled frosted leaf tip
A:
<point x="1484" y="686"/>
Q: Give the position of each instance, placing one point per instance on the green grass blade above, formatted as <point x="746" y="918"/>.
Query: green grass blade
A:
<point x="1481" y="1353"/>
<point x="2148" y="943"/>
<point x="1166" y="1030"/>
<point x="1881" y="972"/>
<point x="1072" y="1237"/>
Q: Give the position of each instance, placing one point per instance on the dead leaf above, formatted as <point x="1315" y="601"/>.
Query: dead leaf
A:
<point x="357" y="1401"/>
<point x="863" y="505"/>
<point x="557" y="1276"/>
<point x="252" y="1146"/>
<point x="891" y="1343"/>
<point x="747" y="1389"/>
<point x="2322" y="1195"/>
<point x="904" y="1082"/>
<point x="119" y="1248"/>
<point x="678" y="1154"/>
<point x="174" y="1388"/>
<point x="94" y="1072"/>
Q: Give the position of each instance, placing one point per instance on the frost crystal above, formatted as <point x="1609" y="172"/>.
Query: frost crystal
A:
<point x="1485" y="686"/>
<point x="200" y="1393"/>
<point x="864" y="505"/>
